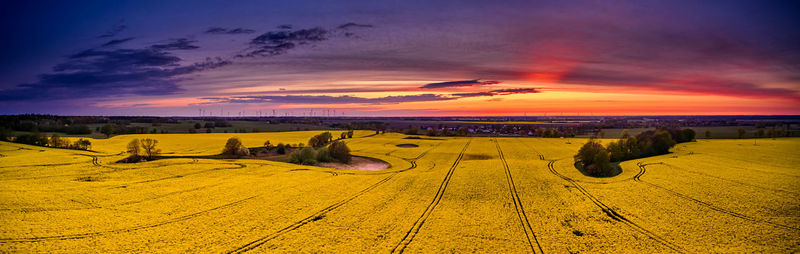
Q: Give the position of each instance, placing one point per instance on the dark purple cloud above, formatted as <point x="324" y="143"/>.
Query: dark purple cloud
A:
<point x="176" y="44"/>
<point x="347" y="99"/>
<point x="117" y="42"/>
<point x="354" y="25"/>
<point x="498" y="92"/>
<point x="220" y="30"/>
<point x="460" y="83"/>
<point x="278" y="42"/>
<point x="103" y="72"/>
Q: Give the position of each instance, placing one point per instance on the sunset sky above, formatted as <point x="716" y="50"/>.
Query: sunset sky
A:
<point x="400" y="58"/>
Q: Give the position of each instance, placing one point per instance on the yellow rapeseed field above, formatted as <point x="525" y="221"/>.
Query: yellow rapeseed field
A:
<point x="455" y="194"/>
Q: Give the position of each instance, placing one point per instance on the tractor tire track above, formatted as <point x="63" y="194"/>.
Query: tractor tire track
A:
<point x="643" y="169"/>
<point x="411" y="233"/>
<point x="523" y="218"/>
<point x="610" y="212"/>
<point x="239" y="166"/>
<point x="786" y="193"/>
<point x="321" y="213"/>
<point x="98" y="233"/>
<point x="94" y="163"/>
<point x="33" y="210"/>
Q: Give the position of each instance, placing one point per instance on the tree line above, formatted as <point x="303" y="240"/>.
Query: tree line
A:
<point x="595" y="159"/>
<point x="321" y="148"/>
<point x="55" y="141"/>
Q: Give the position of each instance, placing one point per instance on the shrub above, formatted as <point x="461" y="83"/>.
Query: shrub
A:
<point x="340" y="151"/>
<point x="320" y="140"/>
<point x="594" y="159"/>
<point x="82" y="144"/>
<point x="57" y="141"/>
<point x="305" y="156"/>
<point x="280" y="148"/>
<point x="234" y="147"/>
<point x="324" y="155"/>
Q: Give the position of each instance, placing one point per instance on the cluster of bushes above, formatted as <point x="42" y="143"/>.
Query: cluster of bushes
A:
<point x="320" y="140"/>
<point x="318" y="150"/>
<point x="596" y="159"/>
<point x="321" y="148"/>
<point x="348" y="134"/>
<point x="234" y="147"/>
<point x="281" y="148"/>
<point x="55" y="141"/>
<point x="141" y="150"/>
<point x="336" y="151"/>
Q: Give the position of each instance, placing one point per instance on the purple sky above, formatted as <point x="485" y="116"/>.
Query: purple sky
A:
<point x="377" y="58"/>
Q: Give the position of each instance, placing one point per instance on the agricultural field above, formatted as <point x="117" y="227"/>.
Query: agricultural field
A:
<point x="449" y="194"/>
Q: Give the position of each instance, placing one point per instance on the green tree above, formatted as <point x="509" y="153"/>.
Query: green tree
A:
<point x="741" y="132"/>
<point x="340" y="152"/>
<point x="662" y="142"/>
<point x="107" y="129"/>
<point x="708" y="134"/>
<point x="234" y="147"/>
<point x="688" y="134"/>
<point x="760" y="133"/>
<point x="617" y="150"/>
<point x="305" y="156"/>
<point x="586" y="154"/>
<point x="320" y="140"/>
<point x="280" y="148"/>
<point x="632" y="148"/>
<point x="594" y="159"/>
<point x="324" y="155"/>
